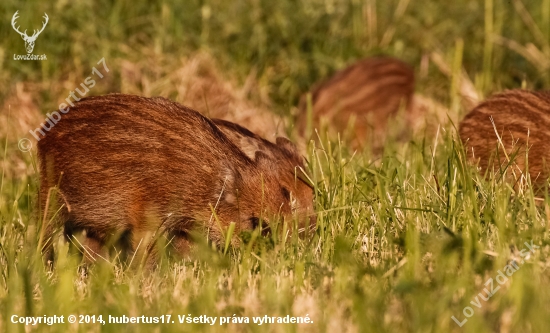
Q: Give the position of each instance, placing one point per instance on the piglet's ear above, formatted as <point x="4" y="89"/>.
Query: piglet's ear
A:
<point x="240" y="136"/>
<point x="262" y="159"/>
<point x="248" y="146"/>
<point x="286" y="144"/>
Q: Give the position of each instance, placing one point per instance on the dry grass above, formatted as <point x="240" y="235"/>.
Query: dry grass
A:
<point x="197" y="82"/>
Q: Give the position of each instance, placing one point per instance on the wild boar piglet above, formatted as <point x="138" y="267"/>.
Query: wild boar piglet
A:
<point x="127" y="166"/>
<point x="499" y="131"/>
<point x="368" y="92"/>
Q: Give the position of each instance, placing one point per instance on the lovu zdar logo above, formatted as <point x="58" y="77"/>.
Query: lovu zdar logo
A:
<point x="29" y="40"/>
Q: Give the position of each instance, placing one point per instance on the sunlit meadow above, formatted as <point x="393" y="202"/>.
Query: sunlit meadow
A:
<point x="406" y="240"/>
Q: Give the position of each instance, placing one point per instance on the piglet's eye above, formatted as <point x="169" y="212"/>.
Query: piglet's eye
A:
<point x="264" y="226"/>
<point x="286" y="193"/>
<point x="255" y="222"/>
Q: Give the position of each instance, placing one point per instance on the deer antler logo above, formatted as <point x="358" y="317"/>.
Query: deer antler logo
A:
<point x="29" y="40"/>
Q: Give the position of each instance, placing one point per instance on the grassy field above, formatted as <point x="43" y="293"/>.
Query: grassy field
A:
<point x="405" y="241"/>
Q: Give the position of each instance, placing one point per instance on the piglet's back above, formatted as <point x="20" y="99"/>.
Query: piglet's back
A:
<point x="373" y="84"/>
<point x="522" y="120"/>
<point x="123" y="156"/>
<point x="371" y="90"/>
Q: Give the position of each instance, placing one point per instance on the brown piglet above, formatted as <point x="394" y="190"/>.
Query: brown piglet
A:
<point x="367" y="93"/>
<point x="126" y="166"/>
<point x="499" y="132"/>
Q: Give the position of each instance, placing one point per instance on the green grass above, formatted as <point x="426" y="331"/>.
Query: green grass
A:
<point x="404" y="242"/>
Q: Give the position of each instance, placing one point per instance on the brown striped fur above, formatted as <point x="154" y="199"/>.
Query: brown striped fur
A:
<point x="133" y="166"/>
<point x="371" y="90"/>
<point x="522" y="120"/>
